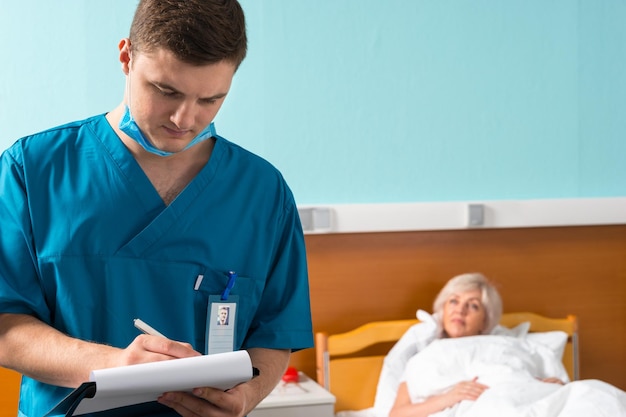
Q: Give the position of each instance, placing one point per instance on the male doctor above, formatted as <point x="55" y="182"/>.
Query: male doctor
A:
<point x="146" y="212"/>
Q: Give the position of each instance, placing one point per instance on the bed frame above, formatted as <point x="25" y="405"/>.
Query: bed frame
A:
<point x="9" y="392"/>
<point x="349" y="364"/>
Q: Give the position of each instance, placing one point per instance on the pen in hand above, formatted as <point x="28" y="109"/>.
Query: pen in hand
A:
<point x="147" y="329"/>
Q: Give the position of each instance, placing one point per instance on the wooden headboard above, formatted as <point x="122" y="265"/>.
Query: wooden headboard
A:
<point x="554" y="271"/>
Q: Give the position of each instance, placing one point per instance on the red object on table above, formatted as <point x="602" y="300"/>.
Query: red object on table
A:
<point x="291" y="375"/>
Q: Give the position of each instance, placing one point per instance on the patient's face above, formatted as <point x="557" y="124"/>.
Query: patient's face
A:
<point x="464" y="314"/>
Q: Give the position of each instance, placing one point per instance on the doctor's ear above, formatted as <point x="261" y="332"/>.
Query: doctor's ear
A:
<point x="125" y="54"/>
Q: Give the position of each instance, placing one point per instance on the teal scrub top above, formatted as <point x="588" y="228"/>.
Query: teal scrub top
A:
<point x="87" y="245"/>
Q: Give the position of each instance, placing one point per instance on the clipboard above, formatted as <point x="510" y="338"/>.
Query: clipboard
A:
<point x="124" y="386"/>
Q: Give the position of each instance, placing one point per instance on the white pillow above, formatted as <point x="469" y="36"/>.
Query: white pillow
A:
<point x="518" y="331"/>
<point x="550" y="346"/>
<point x="555" y="340"/>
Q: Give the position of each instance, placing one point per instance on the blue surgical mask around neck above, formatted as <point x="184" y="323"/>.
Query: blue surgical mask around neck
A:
<point x="129" y="126"/>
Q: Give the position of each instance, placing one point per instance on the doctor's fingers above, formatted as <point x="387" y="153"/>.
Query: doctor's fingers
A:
<point x="147" y="348"/>
<point x="205" y="402"/>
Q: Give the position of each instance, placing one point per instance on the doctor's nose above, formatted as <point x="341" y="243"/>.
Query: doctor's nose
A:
<point x="183" y="116"/>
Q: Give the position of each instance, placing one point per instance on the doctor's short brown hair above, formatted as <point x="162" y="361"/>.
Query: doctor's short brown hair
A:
<point x="198" y="32"/>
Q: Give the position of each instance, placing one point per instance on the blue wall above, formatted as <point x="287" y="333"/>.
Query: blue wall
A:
<point x="372" y="101"/>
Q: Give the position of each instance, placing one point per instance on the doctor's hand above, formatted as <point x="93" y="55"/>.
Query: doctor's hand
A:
<point x="146" y="348"/>
<point x="207" y="402"/>
<point x="239" y="400"/>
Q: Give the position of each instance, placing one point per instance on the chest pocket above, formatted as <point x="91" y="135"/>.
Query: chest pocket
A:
<point x="213" y="283"/>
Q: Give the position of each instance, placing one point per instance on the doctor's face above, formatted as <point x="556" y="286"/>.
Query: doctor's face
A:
<point x="464" y="314"/>
<point x="172" y="101"/>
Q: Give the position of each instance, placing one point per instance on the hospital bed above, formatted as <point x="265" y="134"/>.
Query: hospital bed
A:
<point x="349" y="364"/>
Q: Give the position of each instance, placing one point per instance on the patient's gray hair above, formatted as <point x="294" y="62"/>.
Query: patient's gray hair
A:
<point x="468" y="282"/>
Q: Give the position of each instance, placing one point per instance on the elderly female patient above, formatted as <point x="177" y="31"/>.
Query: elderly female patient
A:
<point x="468" y="305"/>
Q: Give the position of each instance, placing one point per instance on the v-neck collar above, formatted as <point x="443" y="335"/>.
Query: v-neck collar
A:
<point x="166" y="215"/>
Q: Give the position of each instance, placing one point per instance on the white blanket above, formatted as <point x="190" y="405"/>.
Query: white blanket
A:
<point x="510" y="367"/>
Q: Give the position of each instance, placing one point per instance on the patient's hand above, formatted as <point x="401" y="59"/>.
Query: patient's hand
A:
<point x="466" y="390"/>
<point x="552" y="380"/>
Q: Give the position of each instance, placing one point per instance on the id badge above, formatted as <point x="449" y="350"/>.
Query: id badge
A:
<point x="221" y="324"/>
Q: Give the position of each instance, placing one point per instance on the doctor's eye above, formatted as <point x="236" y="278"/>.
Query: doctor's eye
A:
<point x="208" y="101"/>
<point x="167" y="93"/>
